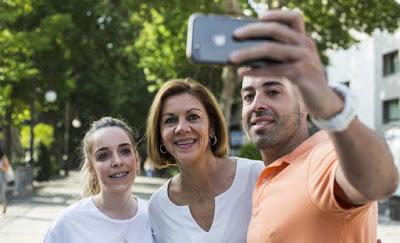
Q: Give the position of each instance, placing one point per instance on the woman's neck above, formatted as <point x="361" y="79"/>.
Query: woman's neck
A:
<point x="205" y="176"/>
<point x="116" y="206"/>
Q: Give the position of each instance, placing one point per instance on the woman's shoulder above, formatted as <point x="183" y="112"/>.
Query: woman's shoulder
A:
<point x="143" y="209"/>
<point x="143" y="205"/>
<point x="253" y="164"/>
<point x="69" y="215"/>
<point x="160" y="193"/>
<point x="159" y="202"/>
<point x="79" y="207"/>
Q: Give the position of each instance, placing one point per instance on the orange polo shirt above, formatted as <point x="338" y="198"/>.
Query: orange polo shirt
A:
<point x="294" y="201"/>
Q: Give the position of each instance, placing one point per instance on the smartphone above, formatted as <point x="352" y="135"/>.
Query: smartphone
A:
<point x="210" y="39"/>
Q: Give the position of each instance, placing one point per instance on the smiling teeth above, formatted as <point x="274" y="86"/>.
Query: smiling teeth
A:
<point x="119" y="175"/>
<point x="183" y="142"/>
<point x="261" y="122"/>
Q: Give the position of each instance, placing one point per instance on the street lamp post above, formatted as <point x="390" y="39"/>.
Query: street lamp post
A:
<point x="50" y="96"/>
<point x="32" y="123"/>
<point x="32" y="134"/>
<point x="66" y="137"/>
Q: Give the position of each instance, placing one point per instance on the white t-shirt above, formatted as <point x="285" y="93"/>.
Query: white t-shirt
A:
<point x="83" y="222"/>
<point x="175" y="224"/>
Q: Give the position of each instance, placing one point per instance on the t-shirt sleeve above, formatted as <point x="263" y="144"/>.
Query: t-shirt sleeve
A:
<point x="155" y="214"/>
<point x="323" y="162"/>
<point x="52" y="235"/>
<point x="256" y="167"/>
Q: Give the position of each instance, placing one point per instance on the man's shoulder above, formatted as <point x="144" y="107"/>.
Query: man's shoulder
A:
<point x="321" y="148"/>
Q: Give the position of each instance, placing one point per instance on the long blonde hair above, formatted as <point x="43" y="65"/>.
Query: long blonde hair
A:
<point x="91" y="185"/>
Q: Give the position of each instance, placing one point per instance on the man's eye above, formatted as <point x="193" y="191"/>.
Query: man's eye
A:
<point x="247" y="97"/>
<point x="273" y="92"/>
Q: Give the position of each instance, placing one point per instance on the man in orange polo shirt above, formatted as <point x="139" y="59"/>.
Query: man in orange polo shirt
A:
<point x="315" y="188"/>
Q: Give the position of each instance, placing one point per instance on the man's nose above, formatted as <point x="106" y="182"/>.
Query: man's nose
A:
<point x="259" y="103"/>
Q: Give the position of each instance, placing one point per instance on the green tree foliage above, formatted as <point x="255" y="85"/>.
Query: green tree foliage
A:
<point x="161" y="43"/>
<point x="102" y="57"/>
<point x="331" y="23"/>
<point x="43" y="135"/>
<point x="84" y="50"/>
<point x="249" y="150"/>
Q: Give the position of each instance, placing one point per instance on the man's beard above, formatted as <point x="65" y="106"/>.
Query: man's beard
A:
<point x="283" y="129"/>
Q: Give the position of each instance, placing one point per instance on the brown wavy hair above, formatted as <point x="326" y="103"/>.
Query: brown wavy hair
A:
<point x="204" y="95"/>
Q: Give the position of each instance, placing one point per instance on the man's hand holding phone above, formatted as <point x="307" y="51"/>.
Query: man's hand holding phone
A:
<point x="295" y="51"/>
<point x="297" y="56"/>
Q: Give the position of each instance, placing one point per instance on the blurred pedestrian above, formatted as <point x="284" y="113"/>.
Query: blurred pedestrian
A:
<point x="108" y="211"/>
<point x="148" y="168"/>
<point x="210" y="199"/>
<point x="4" y="167"/>
<point x="319" y="188"/>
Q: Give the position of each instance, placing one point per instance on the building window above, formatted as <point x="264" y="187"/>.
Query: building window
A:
<point x="391" y="63"/>
<point x="391" y="110"/>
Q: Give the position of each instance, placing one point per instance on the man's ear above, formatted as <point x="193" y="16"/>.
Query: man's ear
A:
<point x="310" y="125"/>
<point x="299" y="98"/>
<point x="300" y="101"/>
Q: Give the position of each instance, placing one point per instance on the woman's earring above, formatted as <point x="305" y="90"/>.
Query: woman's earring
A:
<point x="213" y="140"/>
<point x="163" y="149"/>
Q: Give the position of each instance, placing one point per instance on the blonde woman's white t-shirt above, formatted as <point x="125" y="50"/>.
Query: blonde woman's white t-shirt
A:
<point x="175" y="224"/>
<point x="82" y="222"/>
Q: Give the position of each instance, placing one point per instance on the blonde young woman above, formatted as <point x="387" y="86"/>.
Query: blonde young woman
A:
<point x="210" y="199"/>
<point x="108" y="211"/>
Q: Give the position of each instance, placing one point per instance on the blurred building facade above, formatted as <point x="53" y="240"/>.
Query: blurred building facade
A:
<point x="371" y="69"/>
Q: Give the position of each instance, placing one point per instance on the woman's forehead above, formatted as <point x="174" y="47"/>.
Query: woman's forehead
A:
<point x="109" y="137"/>
<point x="182" y="101"/>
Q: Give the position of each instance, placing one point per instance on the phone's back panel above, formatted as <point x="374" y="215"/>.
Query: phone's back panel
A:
<point x="210" y="38"/>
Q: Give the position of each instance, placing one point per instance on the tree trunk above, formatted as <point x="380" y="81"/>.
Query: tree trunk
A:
<point x="232" y="7"/>
<point x="229" y="77"/>
<point x="67" y="121"/>
<point x="230" y="80"/>
<point x="8" y="133"/>
<point x="275" y="4"/>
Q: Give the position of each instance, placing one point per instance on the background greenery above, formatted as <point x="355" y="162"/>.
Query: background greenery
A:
<point x="108" y="57"/>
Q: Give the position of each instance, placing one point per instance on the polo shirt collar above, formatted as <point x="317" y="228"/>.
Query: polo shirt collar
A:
<point x="309" y="143"/>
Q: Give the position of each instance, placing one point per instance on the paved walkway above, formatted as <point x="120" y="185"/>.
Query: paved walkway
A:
<point x="389" y="230"/>
<point x="29" y="216"/>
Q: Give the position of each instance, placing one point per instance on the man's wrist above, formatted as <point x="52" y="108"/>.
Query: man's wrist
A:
<point x="342" y="119"/>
